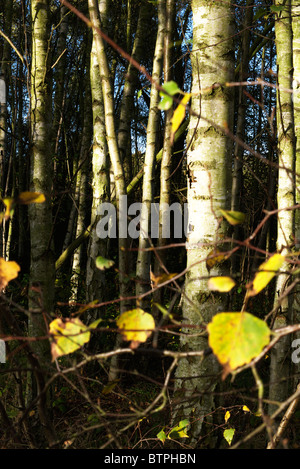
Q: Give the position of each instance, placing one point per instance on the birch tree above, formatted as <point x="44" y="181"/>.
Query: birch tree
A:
<point x="296" y="99"/>
<point x="209" y="163"/>
<point x="42" y="272"/>
<point x="95" y="278"/>
<point x="143" y="260"/>
<point x="280" y="364"/>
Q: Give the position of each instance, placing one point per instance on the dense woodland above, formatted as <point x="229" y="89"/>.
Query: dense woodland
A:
<point x="115" y="333"/>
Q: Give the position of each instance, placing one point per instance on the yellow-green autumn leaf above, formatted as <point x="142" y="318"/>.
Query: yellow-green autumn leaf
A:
<point x="171" y="89"/>
<point x="215" y="257"/>
<point x="229" y="434"/>
<point x="179" y="113"/>
<point x="67" y="336"/>
<point x="233" y="217"/>
<point x="180" y="431"/>
<point x="102" y="263"/>
<point x="136" y="326"/>
<point x="157" y="280"/>
<point x="10" y="204"/>
<point x="28" y="197"/>
<point x="162" y="436"/>
<point x="266" y="271"/>
<point x="221" y="284"/>
<point x="237" y="338"/>
<point x="8" y="271"/>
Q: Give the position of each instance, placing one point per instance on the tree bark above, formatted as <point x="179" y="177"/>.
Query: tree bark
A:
<point x="209" y="161"/>
<point x="280" y="362"/>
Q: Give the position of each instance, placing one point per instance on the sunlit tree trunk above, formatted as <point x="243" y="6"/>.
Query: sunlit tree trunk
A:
<point x="209" y="162"/>
<point x="82" y="185"/>
<point x="42" y="267"/>
<point x="95" y="278"/>
<point x="165" y="169"/>
<point x="296" y="96"/>
<point x="127" y="105"/>
<point x="280" y="354"/>
<point x="143" y="260"/>
<point x="41" y="292"/>
<point x="118" y="172"/>
<point x="6" y="78"/>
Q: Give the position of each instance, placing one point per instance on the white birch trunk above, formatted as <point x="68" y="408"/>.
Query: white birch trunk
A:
<point x="209" y="189"/>
<point x="280" y="354"/>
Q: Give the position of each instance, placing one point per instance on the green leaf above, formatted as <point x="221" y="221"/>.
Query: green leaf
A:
<point x="233" y="217"/>
<point x="180" y="431"/>
<point x="95" y="323"/>
<point x="260" y="12"/>
<point x="67" y="336"/>
<point x="166" y="102"/>
<point x="221" y="284"/>
<point x="229" y="434"/>
<point x="171" y="88"/>
<point x="237" y="338"/>
<point x="277" y="8"/>
<point x="162" y="436"/>
<point x="266" y="271"/>
<point x="102" y="263"/>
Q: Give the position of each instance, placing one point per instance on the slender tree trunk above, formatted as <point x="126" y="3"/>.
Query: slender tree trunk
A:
<point x="237" y="177"/>
<point x="165" y="170"/>
<point x="280" y="354"/>
<point x="95" y="278"/>
<point x="296" y="96"/>
<point x="127" y="105"/>
<point x="42" y="268"/>
<point x="60" y="70"/>
<point x="144" y="259"/>
<point x="118" y="172"/>
<point x="42" y="273"/>
<point x="82" y="178"/>
<point x="209" y="162"/>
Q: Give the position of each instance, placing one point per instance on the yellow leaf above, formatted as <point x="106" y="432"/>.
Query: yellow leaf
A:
<point x="227" y="416"/>
<point x="266" y="271"/>
<point x="136" y="326"/>
<point x="215" y="257"/>
<point x="67" y="336"/>
<point x="246" y="409"/>
<point x="221" y="284"/>
<point x="237" y="338"/>
<point x="233" y="217"/>
<point x="160" y="278"/>
<point x="9" y="203"/>
<point x="8" y="271"/>
<point x="28" y="197"/>
<point x="179" y="113"/>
